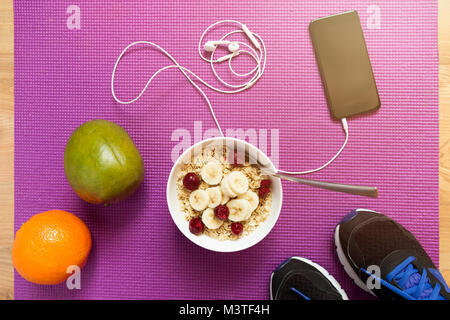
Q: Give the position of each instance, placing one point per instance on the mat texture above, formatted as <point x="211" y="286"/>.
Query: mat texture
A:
<point x="62" y="79"/>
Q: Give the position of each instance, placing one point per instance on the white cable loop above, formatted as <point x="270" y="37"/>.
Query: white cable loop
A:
<point x="258" y="55"/>
<point x="345" y="127"/>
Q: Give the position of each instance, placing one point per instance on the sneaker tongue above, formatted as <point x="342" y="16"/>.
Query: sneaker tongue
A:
<point x="392" y="261"/>
<point x="412" y="281"/>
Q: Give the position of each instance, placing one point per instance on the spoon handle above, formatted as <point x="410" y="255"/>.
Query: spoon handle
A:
<point x="345" y="188"/>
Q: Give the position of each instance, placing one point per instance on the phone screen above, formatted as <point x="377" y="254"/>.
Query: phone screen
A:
<point x="344" y="65"/>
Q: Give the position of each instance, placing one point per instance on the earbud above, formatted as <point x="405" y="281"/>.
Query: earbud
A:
<point x="210" y="46"/>
<point x="233" y="47"/>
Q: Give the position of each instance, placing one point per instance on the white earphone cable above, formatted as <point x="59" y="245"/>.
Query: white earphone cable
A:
<point x="345" y="127"/>
<point x="258" y="55"/>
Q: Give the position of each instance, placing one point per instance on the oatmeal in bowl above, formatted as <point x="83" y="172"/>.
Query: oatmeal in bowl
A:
<point x="220" y="198"/>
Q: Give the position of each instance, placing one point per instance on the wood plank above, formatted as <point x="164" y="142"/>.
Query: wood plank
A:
<point x="6" y="148"/>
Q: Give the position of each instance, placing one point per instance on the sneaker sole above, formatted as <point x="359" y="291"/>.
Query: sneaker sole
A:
<point x="323" y="271"/>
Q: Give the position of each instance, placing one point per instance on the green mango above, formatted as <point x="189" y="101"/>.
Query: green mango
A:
<point x="102" y="163"/>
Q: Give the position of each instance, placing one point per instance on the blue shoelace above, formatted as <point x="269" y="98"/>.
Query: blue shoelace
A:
<point x="300" y="294"/>
<point x="415" y="285"/>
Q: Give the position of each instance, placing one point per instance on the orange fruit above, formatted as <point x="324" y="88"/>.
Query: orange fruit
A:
<point x="47" y="244"/>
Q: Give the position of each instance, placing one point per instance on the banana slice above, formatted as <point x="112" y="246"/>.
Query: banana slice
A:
<point x="239" y="209"/>
<point x="210" y="220"/>
<point x="225" y="186"/>
<point x="238" y="182"/>
<point x="225" y="199"/>
<point x="199" y="199"/>
<point x="252" y="198"/>
<point x="212" y="172"/>
<point x="215" y="196"/>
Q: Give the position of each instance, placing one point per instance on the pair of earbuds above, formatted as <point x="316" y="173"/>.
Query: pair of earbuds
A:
<point x="233" y="46"/>
<point x="210" y="46"/>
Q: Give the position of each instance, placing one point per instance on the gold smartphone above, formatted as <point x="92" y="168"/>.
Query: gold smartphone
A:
<point x="344" y="65"/>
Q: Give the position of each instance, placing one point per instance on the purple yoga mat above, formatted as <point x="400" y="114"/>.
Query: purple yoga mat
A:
<point x="62" y="79"/>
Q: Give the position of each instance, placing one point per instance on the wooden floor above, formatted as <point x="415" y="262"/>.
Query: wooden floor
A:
<point x="7" y="142"/>
<point x="444" y="137"/>
<point x="6" y="148"/>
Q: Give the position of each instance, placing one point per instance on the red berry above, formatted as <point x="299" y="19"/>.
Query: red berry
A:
<point x="222" y="212"/>
<point x="196" y="226"/>
<point x="191" y="181"/>
<point x="263" y="191"/>
<point x="265" y="183"/>
<point x="237" y="228"/>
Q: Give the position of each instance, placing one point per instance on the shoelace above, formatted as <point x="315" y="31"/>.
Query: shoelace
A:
<point x="414" y="285"/>
<point x="300" y="294"/>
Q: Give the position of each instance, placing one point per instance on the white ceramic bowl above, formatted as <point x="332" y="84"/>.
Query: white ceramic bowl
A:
<point x="203" y="240"/>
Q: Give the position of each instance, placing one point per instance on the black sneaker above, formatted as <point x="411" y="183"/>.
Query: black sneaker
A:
<point x="379" y="253"/>
<point x="301" y="279"/>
